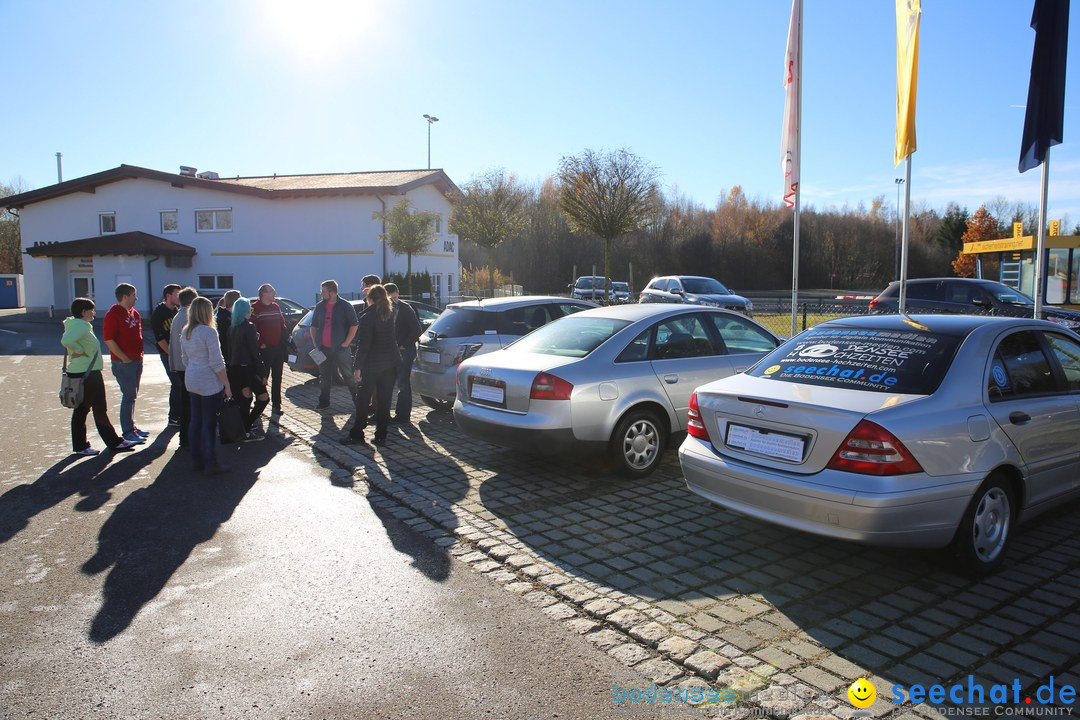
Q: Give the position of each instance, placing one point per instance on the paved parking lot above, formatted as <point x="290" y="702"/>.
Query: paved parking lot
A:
<point x="696" y="597"/>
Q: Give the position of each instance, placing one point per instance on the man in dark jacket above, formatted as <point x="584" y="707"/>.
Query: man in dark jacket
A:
<point x="333" y="327"/>
<point x="408" y="329"/>
<point x="161" y="321"/>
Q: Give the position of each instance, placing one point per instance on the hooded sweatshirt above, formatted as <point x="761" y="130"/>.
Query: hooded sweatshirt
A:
<point x="81" y="344"/>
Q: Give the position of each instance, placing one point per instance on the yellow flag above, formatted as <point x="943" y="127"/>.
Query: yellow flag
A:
<point x="907" y="74"/>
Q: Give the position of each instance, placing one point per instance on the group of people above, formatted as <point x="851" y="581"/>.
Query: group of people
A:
<point x="384" y="334"/>
<point x="207" y="355"/>
<point x="237" y="352"/>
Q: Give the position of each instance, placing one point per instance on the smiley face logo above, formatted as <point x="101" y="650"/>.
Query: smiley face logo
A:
<point x="862" y="693"/>
<point x="772" y="369"/>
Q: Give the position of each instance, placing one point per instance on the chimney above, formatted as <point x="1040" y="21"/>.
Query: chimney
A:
<point x="208" y="175"/>
<point x="188" y="171"/>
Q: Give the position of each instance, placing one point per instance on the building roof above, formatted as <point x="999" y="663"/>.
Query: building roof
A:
<point x="129" y="243"/>
<point x="391" y="182"/>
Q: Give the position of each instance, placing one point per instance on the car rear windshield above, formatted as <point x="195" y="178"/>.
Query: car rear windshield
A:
<point x="704" y="286"/>
<point x="571" y="336"/>
<point x="879" y="360"/>
<point x="463" y="322"/>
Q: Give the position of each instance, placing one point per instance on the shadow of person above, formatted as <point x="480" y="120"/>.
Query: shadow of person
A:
<point x="153" y="531"/>
<point x="92" y="478"/>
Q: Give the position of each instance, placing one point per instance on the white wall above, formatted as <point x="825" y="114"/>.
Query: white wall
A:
<point x="293" y="243"/>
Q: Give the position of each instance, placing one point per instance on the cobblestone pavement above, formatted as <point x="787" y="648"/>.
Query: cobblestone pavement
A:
<point x="693" y="596"/>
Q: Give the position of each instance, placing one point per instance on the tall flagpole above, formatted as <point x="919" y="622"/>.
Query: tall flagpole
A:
<point x="1040" y="243"/>
<point x="904" y="236"/>
<point x="798" y="185"/>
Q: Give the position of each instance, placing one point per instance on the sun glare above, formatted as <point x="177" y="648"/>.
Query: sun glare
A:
<point x="317" y="32"/>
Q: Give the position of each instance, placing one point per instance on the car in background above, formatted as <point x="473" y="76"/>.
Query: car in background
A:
<point x="614" y="380"/>
<point x="588" y="287"/>
<point x="969" y="296"/>
<point x="621" y="292"/>
<point x="300" y="344"/>
<point x="292" y="310"/>
<point x="476" y="327"/>
<point x="931" y="431"/>
<point x="694" y="290"/>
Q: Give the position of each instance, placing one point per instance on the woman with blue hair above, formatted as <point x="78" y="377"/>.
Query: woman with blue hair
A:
<point x="247" y="372"/>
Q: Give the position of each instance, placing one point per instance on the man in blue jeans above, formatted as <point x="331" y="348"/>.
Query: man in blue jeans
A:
<point x="123" y="336"/>
<point x="333" y="327"/>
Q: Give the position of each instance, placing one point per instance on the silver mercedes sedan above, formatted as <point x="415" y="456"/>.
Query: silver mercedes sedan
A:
<point x="615" y="379"/>
<point x="932" y="431"/>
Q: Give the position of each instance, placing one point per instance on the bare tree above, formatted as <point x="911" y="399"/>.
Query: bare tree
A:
<point x="491" y="209"/>
<point x="10" y="242"/>
<point x="408" y="231"/>
<point x="607" y="194"/>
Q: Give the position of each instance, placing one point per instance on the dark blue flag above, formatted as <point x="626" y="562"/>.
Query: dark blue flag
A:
<point x="1045" y="114"/>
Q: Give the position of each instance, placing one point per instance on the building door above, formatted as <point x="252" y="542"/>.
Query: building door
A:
<point x="436" y="289"/>
<point x="82" y="286"/>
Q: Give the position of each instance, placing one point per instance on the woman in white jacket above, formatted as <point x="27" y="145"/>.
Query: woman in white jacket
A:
<point x="206" y="381"/>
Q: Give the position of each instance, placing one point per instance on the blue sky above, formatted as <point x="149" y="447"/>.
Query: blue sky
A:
<point x="254" y="87"/>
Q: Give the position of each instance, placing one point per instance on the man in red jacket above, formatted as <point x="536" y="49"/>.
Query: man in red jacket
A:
<point x="270" y="323"/>
<point x="123" y="336"/>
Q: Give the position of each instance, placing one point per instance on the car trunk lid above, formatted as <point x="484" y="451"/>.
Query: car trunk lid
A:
<point x="504" y="380"/>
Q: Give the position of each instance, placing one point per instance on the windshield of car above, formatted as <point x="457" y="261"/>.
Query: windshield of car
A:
<point x="305" y="321"/>
<point x="878" y="360"/>
<point x="463" y="322"/>
<point x="1006" y="294"/>
<point x="573" y="336"/>
<point x="621" y="286"/>
<point x="590" y="282"/>
<point x="703" y="286"/>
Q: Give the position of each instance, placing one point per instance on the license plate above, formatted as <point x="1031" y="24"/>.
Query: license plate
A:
<point x="430" y="357"/>
<point x="495" y="392"/>
<point x="292" y="359"/>
<point x="772" y="444"/>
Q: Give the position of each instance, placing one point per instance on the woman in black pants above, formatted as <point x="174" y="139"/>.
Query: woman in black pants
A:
<point x="375" y="365"/>
<point x="247" y="372"/>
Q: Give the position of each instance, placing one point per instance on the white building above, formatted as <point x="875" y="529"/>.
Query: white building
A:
<point x="130" y="224"/>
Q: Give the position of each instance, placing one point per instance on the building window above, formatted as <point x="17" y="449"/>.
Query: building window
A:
<point x="438" y="224"/>
<point x="107" y="223"/>
<point x="215" y="282"/>
<point x="170" y="221"/>
<point x="450" y="284"/>
<point x="213" y="220"/>
<point x="436" y="288"/>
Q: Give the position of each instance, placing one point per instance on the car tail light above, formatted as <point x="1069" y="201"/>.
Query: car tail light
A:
<point x="870" y="449"/>
<point x="466" y="351"/>
<point x="549" y="387"/>
<point x="695" y="426"/>
<point x="873" y="304"/>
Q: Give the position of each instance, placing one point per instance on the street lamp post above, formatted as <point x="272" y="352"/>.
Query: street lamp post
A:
<point x="896" y="266"/>
<point x="431" y="120"/>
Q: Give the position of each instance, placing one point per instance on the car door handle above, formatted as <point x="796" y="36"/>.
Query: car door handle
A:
<point x="1019" y="418"/>
<point x="671" y="379"/>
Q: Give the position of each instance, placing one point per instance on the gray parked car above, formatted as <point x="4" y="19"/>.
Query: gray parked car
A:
<point x="476" y="327"/>
<point x="694" y="290"/>
<point x="615" y="379"/>
<point x="947" y="430"/>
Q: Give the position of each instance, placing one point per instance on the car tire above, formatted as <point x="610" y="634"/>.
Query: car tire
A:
<point x="982" y="538"/>
<point x="437" y="405"/>
<point x="638" y="443"/>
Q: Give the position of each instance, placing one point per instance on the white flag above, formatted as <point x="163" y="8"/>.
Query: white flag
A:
<point x="789" y="151"/>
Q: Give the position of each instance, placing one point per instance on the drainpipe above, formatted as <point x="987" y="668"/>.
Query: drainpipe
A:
<point x="150" y="281"/>
<point x="382" y="236"/>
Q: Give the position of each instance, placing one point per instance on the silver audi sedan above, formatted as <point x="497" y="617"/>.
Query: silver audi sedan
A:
<point x="932" y="431"/>
<point x="615" y="379"/>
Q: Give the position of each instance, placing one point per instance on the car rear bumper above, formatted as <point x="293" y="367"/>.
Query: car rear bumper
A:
<point x="925" y="517"/>
<point x="519" y="432"/>
<point x="439" y="385"/>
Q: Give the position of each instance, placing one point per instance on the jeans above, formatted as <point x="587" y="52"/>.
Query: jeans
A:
<point x="174" y="390"/>
<point x="93" y="399"/>
<point x="404" y="382"/>
<point x="338" y="360"/>
<point x="185" y="407"/>
<point x="379" y="381"/>
<point x="274" y="357"/>
<point x="127" y="377"/>
<point x="202" y="436"/>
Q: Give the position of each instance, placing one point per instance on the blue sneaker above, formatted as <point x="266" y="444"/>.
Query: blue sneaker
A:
<point x="141" y="433"/>
<point x="135" y="438"/>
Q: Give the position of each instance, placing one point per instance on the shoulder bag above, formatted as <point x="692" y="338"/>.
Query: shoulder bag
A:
<point x="71" y="385"/>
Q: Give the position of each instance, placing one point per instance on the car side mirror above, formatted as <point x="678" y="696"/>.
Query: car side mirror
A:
<point x="980" y="302"/>
<point x="677" y="291"/>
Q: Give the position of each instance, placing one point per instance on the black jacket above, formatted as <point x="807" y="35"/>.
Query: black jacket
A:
<point x="244" y="347"/>
<point x="161" y="322"/>
<point x="376" y="343"/>
<point x="407" y="326"/>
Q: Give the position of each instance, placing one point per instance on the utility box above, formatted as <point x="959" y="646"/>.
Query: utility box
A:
<point x="11" y="292"/>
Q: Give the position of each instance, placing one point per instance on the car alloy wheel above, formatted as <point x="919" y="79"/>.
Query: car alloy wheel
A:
<point x="984" y="531"/>
<point x="638" y="443"/>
